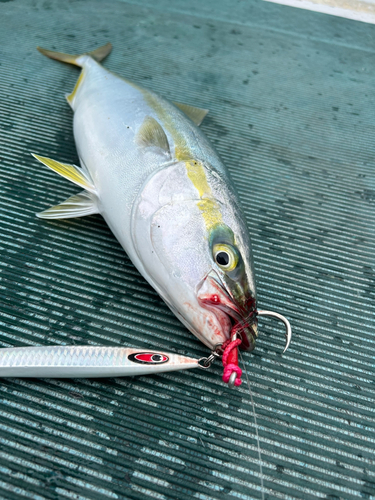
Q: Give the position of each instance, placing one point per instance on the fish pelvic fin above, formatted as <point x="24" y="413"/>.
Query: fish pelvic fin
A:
<point x="196" y="115"/>
<point x="98" y="54"/>
<point x="73" y="173"/>
<point x="78" y="205"/>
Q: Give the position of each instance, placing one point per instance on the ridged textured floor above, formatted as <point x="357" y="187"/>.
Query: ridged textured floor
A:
<point x="291" y="99"/>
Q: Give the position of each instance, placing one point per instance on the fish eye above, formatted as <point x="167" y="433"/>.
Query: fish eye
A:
<point x="225" y="257"/>
<point x="222" y="258"/>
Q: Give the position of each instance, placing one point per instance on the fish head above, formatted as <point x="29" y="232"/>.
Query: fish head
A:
<point x="229" y="286"/>
<point x="195" y="251"/>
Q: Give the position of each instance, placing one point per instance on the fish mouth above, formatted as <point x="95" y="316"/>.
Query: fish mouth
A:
<point x="233" y="318"/>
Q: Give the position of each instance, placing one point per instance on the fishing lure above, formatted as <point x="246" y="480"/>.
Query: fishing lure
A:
<point x="88" y="361"/>
<point x="147" y="168"/>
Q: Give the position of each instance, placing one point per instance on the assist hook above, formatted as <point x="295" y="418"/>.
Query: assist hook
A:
<point x="288" y="334"/>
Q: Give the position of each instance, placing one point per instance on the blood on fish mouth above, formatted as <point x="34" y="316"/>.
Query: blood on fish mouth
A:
<point x="213" y="296"/>
<point x="246" y="331"/>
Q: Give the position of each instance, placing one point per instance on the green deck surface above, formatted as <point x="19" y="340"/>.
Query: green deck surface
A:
<point x="291" y="99"/>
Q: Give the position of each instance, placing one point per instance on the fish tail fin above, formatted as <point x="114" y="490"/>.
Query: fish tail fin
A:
<point x="78" y="60"/>
<point x="98" y="54"/>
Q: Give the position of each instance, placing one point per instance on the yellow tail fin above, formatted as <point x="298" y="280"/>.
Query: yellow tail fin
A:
<point x="97" y="54"/>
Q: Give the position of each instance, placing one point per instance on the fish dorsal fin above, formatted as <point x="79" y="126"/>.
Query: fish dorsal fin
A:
<point x="78" y="205"/>
<point x="71" y="172"/>
<point x="196" y="115"/>
<point x="151" y="134"/>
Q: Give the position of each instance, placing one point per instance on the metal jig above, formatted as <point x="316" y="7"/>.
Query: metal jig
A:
<point x="101" y="361"/>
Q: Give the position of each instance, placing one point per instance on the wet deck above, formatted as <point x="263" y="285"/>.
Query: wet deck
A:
<point x="291" y="99"/>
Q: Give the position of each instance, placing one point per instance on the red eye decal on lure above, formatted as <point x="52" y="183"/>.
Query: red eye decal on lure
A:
<point x="153" y="358"/>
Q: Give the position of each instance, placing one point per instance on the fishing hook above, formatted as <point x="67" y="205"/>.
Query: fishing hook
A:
<point x="206" y="362"/>
<point x="288" y="334"/>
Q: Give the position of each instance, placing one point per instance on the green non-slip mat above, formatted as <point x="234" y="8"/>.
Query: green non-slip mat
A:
<point x="291" y="100"/>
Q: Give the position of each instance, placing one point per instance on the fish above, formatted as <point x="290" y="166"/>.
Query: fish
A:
<point x="147" y="168"/>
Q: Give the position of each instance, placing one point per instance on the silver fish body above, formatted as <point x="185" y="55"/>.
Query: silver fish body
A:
<point x="168" y="199"/>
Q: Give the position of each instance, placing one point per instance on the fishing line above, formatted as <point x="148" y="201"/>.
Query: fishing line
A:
<point x="256" y="426"/>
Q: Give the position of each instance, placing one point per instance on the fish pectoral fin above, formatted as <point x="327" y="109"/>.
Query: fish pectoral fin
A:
<point x="78" y="205"/>
<point x="151" y="134"/>
<point x="71" y="172"/>
<point x="196" y="115"/>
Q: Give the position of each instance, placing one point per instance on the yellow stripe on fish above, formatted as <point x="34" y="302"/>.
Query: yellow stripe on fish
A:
<point x="70" y="97"/>
<point x="207" y="205"/>
<point x="182" y="151"/>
